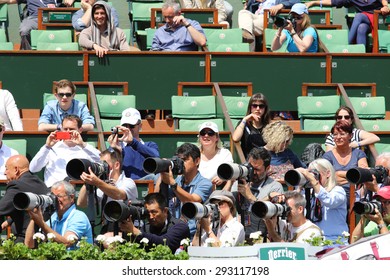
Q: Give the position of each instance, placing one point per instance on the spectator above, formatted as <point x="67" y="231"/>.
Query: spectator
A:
<point x="278" y="136"/>
<point x="190" y="186"/>
<point x="9" y="112"/>
<point x="19" y="180"/>
<point x="230" y="232"/>
<point x="82" y="18"/>
<point x="161" y="227"/>
<point x="116" y="186"/>
<point x="249" y="130"/>
<point x="382" y="160"/>
<point x="56" y="153"/>
<point x="379" y="223"/>
<point x="359" y="138"/>
<point x="178" y="33"/>
<point x="329" y="203"/>
<point x="212" y="154"/>
<point x="56" y="110"/>
<point x="30" y="22"/>
<point x="5" y="151"/>
<point x="343" y="157"/>
<point x="68" y="224"/>
<point x="300" y="35"/>
<point x="102" y="35"/>
<point x="363" y="21"/>
<point x="134" y="149"/>
<point x="216" y="4"/>
<point x="297" y="229"/>
<point x="251" y="22"/>
<point x="261" y="187"/>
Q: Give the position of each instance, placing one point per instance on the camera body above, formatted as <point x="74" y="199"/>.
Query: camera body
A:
<point x="29" y="201"/>
<point x="367" y="207"/>
<point x="114" y="130"/>
<point x="197" y="211"/>
<point x="267" y="209"/>
<point x="283" y="22"/>
<point x="233" y="171"/>
<point x="158" y="165"/>
<point x="361" y="175"/>
<point x="75" y="167"/>
<point x="63" y="135"/>
<point x="116" y="211"/>
<point x="296" y="179"/>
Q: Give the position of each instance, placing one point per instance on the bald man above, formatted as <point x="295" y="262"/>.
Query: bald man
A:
<point x="20" y="179"/>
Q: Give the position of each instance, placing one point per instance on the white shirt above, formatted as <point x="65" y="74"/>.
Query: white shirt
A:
<point x="230" y="234"/>
<point x="55" y="160"/>
<point x="9" y="111"/>
<point x="208" y="169"/>
<point x="299" y="234"/>
<point x="123" y="183"/>
<point x="5" y="153"/>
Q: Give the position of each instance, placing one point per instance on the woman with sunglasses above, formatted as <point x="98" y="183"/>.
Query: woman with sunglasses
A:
<point x="212" y="154"/>
<point x="343" y="157"/>
<point x="278" y="136"/>
<point x="249" y="129"/>
<point x="359" y="138"/>
<point x="329" y="200"/>
<point x="299" y="34"/>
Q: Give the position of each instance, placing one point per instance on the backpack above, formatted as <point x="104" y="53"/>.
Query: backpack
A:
<point x="311" y="152"/>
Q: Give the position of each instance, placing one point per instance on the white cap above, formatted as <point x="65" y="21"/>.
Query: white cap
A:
<point x="130" y="116"/>
<point x="212" y="125"/>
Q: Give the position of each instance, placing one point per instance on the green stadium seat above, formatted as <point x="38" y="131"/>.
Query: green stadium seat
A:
<point x="179" y="143"/>
<point x="3" y="36"/>
<point x="194" y="125"/>
<point x="333" y="36"/>
<point x="318" y="125"/>
<point x="44" y="46"/>
<point x="268" y="35"/>
<point x="339" y="48"/>
<point x="112" y="106"/>
<point x="235" y="105"/>
<point x="149" y="37"/>
<point x="6" y="46"/>
<point x="4" y="20"/>
<point x="383" y="40"/>
<point x="223" y="36"/>
<point x="369" y="107"/>
<point x="108" y="123"/>
<point x="193" y="107"/>
<point x="376" y="125"/>
<point x="19" y="145"/>
<point x="50" y="36"/>
<point x="382" y="148"/>
<point x="228" y="47"/>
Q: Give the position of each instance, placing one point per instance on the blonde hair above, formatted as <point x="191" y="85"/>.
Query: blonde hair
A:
<point x="324" y="166"/>
<point x="218" y="146"/>
<point x="275" y="134"/>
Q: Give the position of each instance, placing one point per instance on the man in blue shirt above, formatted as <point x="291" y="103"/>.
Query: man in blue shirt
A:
<point x="55" y="110"/>
<point x="179" y="33"/>
<point x="68" y="224"/>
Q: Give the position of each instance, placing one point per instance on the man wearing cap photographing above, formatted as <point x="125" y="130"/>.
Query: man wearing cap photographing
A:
<point x="134" y="150"/>
<point x="379" y="223"/>
<point x="229" y="231"/>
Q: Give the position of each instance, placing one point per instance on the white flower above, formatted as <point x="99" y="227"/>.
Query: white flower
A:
<point x="101" y="238"/>
<point x="345" y="234"/>
<point x="185" y="242"/>
<point x="72" y="238"/>
<point x="51" y="236"/>
<point x="227" y="244"/>
<point x="118" y="239"/>
<point x="110" y="240"/>
<point x="209" y="242"/>
<point x="39" y="236"/>
<point x="255" y="235"/>
<point x="144" y="240"/>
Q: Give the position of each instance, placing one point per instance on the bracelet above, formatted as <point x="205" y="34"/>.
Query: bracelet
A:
<point x="380" y="226"/>
<point x="243" y="121"/>
<point x="277" y="35"/>
<point x="209" y="233"/>
<point x="292" y="34"/>
<point x="359" y="144"/>
<point x="188" y="25"/>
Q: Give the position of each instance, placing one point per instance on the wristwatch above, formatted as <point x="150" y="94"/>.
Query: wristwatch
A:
<point x="380" y="226"/>
<point x="174" y="187"/>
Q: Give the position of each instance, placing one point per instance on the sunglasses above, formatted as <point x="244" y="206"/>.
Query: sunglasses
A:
<point x="298" y="17"/>
<point x="65" y="94"/>
<point x="209" y="133"/>
<point x="261" y="106"/>
<point x="130" y="125"/>
<point x="346" y="117"/>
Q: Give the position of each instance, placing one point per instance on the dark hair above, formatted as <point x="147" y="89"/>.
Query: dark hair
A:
<point x="343" y="126"/>
<point x="266" y="118"/>
<point x="115" y="155"/>
<point x="73" y="118"/>
<point x="260" y="153"/>
<point x="188" y="150"/>
<point x="96" y="7"/>
<point x="65" y="83"/>
<point x="156" y="198"/>
<point x="349" y="110"/>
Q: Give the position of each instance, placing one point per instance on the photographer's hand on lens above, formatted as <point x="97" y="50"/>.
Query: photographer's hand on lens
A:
<point x="91" y="178"/>
<point x="36" y="215"/>
<point x="244" y="189"/>
<point x="128" y="227"/>
<point x="310" y="177"/>
<point x="167" y="177"/>
<point x="372" y="185"/>
<point x="376" y="218"/>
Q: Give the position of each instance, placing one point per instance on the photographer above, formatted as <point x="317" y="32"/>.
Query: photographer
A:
<point x="116" y="187"/>
<point x="229" y="232"/>
<point x="68" y="224"/>
<point x="261" y="187"/>
<point x="329" y="201"/>
<point x="381" y="160"/>
<point x="379" y="222"/>
<point x="298" y="228"/>
<point x="57" y="152"/>
<point x="161" y="227"/>
<point x="300" y="35"/>
<point x="190" y="186"/>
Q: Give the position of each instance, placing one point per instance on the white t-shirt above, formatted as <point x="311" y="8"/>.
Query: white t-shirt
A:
<point x="208" y="169"/>
<point x="298" y="234"/>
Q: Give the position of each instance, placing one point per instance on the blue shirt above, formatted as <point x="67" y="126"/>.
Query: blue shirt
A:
<point x="53" y="114"/>
<point x="200" y="186"/>
<point x="179" y="39"/>
<point x="73" y="220"/>
<point x="361" y="6"/>
<point x="79" y="25"/>
<point x="291" y="47"/>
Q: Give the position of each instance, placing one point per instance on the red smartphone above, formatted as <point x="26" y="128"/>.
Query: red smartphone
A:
<point x="63" y="135"/>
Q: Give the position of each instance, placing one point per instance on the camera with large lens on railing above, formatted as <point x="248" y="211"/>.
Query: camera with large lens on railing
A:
<point x="367" y="207"/>
<point x="76" y="167"/>
<point x="296" y="179"/>
<point x="197" y="211"/>
<point x="29" y="201"/>
<point x="361" y="175"/>
<point x="267" y="209"/>
<point x="116" y="211"/>
<point x="157" y="165"/>
<point x="233" y="171"/>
